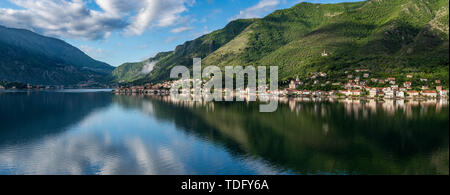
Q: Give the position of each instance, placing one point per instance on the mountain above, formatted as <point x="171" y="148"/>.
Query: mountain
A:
<point x="32" y="58"/>
<point x="130" y="72"/>
<point x="389" y="37"/>
<point x="183" y="54"/>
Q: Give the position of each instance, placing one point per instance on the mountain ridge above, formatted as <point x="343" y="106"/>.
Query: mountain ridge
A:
<point x="390" y="38"/>
<point x="32" y="58"/>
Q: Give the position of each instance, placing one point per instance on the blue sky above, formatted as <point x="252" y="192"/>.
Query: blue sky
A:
<point x="119" y="31"/>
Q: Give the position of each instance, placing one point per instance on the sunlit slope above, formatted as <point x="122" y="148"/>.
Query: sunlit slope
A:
<point x="390" y="37"/>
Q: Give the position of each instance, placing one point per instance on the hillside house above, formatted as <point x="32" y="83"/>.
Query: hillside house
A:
<point x="407" y="84"/>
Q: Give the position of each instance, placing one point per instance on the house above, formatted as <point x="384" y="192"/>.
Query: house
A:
<point x="423" y="80"/>
<point x="389" y="93"/>
<point x="336" y="84"/>
<point x="437" y="81"/>
<point x="443" y="93"/>
<point x="292" y="92"/>
<point x="409" y="76"/>
<point x="439" y="88"/>
<point x="349" y="86"/>
<point x="374" y="80"/>
<point x="1" y="87"/>
<point x="356" y="92"/>
<point x="429" y="93"/>
<point x="322" y="74"/>
<point x="350" y="76"/>
<point x="400" y="94"/>
<point x="425" y="87"/>
<point x="332" y="93"/>
<point x="374" y="92"/>
<point x="394" y="87"/>
<point x="293" y="85"/>
<point x="407" y="84"/>
<point x="346" y="92"/>
<point x="413" y="93"/>
<point x="317" y="93"/>
<point x="366" y="75"/>
<point x="390" y="79"/>
<point x="316" y="82"/>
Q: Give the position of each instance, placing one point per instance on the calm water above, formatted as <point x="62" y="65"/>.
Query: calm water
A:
<point x="94" y="132"/>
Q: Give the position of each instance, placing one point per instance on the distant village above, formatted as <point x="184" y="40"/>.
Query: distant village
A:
<point x="359" y="84"/>
<point x="23" y="86"/>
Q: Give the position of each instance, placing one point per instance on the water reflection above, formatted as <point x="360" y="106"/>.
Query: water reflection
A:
<point x="99" y="133"/>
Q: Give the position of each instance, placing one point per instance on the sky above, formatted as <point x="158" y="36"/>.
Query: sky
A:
<point x="120" y="31"/>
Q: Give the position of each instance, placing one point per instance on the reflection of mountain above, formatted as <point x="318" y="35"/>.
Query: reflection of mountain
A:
<point x="25" y="117"/>
<point x="320" y="138"/>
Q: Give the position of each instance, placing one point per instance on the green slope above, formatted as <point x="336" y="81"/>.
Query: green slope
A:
<point x="31" y="58"/>
<point x="183" y="54"/>
<point x="130" y="72"/>
<point x="390" y="37"/>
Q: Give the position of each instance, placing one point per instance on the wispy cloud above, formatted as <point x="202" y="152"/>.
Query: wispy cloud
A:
<point x="258" y="10"/>
<point x="181" y="29"/>
<point x="74" y="18"/>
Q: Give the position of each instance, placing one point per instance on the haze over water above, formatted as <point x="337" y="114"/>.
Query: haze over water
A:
<point x="95" y="132"/>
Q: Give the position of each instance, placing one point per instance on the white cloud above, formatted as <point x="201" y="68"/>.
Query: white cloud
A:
<point x="258" y="10"/>
<point x="74" y="18"/>
<point x="92" y="52"/>
<point x="148" y="67"/>
<point x="181" y="29"/>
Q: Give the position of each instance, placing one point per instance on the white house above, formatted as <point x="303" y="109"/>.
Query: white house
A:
<point x="430" y="94"/>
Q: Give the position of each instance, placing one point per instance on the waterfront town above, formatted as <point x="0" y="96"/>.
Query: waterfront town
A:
<point x="359" y="84"/>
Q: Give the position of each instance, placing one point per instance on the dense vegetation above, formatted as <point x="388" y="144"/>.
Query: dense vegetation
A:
<point x="389" y="37"/>
<point x="31" y="58"/>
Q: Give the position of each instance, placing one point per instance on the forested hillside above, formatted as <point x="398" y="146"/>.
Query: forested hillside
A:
<point x="389" y="37"/>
